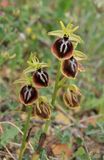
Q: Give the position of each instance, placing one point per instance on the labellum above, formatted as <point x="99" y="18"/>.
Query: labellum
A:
<point x="43" y="110"/>
<point x="62" y="48"/>
<point x="40" y="78"/>
<point x="70" y="67"/>
<point x="72" y="98"/>
<point x="28" y="94"/>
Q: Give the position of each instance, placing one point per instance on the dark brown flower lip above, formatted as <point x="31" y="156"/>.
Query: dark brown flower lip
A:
<point x="69" y="67"/>
<point x="28" y="94"/>
<point x="62" y="48"/>
<point x="73" y="100"/>
<point x="41" y="78"/>
<point x="43" y="110"/>
<point x="72" y="97"/>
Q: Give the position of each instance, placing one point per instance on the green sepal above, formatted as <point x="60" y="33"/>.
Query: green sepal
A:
<point x="24" y="80"/>
<point x="79" y="55"/>
<point x="68" y="31"/>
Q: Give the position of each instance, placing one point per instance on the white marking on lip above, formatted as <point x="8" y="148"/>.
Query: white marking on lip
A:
<point x="27" y="93"/>
<point x="41" y="74"/>
<point x="64" y="46"/>
<point x="73" y="64"/>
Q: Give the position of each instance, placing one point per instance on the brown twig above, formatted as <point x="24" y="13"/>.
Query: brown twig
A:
<point x="11" y="155"/>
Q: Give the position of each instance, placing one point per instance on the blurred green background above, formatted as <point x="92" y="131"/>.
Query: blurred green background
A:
<point x="23" y="29"/>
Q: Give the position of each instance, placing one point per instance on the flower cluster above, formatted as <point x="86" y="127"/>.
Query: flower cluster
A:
<point x="64" y="49"/>
<point x="34" y="77"/>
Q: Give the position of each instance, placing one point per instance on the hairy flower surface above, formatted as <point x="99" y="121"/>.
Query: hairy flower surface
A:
<point x="69" y="67"/>
<point x="41" y="78"/>
<point x="62" y="48"/>
<point x="28" y="94"/>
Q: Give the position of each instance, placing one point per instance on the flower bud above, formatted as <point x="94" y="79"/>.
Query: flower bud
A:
<point x="70" y="67"/>
<point x="43" y="110"/>
<point x="28" y="94"/>
<point x="62" y="48"/>
<point x="72" y="97"/>
<point x="40" y="78"/>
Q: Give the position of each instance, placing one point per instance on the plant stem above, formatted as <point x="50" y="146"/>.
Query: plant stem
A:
<point x="56" y="86"/>
<point x="48" y="122"/>
<point x="47" y="125"/>
<point x="23" y="146"/>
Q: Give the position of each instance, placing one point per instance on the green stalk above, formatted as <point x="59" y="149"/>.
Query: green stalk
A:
<point x="47" y="125"/>
<point x="56" y="86"/>
<point x="48" y="122"/>
<point x="23" y="146"/>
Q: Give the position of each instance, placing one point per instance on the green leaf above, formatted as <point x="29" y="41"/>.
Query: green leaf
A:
<point x="64" y="137"/>
<point x="80" y="151"/>
<point x="80" y="154"/>
<point x="8" y="135"/>
<point x="43" y="155"/>
<point x="79" y="141"/>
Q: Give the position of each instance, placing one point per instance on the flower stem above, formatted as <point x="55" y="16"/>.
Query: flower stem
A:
<point x="23" y="146"/>
<point x="48" y="122"/>
<point x="56" y="86"/>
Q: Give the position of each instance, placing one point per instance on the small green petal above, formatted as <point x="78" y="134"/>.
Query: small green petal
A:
<point x="79" y="55"/>
<point x="58" y="33"/>
<point x="73" y="87"/>
<point x="62" y="25"/>
<point x="25" y="79"/>
<point x="74" y="29"/>
<point x="76" y="38"/>
<point x="29" y="70"/>
<point x="19" y="81"/>
<point x="69" y="26"/>
<point x="75" y="44"/>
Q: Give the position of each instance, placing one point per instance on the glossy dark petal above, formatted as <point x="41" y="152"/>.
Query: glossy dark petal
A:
<point x="41" y="78"/>
<point x="62" y="48"/>
<point x="28" y="94"/>
<point x="70" y="67"/>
